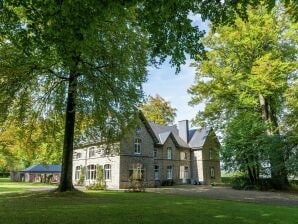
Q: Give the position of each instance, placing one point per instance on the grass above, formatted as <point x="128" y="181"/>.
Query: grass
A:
<point x="6" y="186"/>
<point x="119" y="207"/>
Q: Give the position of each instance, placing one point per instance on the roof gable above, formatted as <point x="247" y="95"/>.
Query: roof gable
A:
<point x="198" y="137"/>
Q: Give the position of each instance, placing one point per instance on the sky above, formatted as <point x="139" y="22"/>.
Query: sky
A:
<point x="164" y="82"/>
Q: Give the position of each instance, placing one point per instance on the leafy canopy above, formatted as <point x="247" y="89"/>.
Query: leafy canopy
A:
<point x="158" y="110"/>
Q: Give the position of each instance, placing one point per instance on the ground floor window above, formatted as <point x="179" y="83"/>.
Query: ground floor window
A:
<point x="184" y="174"/>
<point x="212" y="173"/>
<point x="91" y="172"/>
<point x="156" y="172"/>
<point x="77" y="172"/>
<point x="107" y="172"/>
<point x="169" y="172"/>
<point x="136" y="172"/>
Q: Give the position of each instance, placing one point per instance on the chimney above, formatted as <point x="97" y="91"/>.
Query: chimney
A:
<point x="183" y="130"/>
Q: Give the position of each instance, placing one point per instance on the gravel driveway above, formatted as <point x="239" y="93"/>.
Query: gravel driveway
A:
<point x="227" y="193"/>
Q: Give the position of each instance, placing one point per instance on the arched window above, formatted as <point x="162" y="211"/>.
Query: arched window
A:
<point x="91" y="172"/>
<point x="77" y="172"/>
<point x="138" y="143"/>
<point x="107" y="172"/>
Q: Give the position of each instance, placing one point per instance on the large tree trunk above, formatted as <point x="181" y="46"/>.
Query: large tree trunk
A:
<point x="66" y="173"/>
<point x="276" y="157"/>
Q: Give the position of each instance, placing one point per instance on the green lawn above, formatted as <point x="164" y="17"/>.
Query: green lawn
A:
<point x="18" y="187"/>
<point x="120" y="207"/>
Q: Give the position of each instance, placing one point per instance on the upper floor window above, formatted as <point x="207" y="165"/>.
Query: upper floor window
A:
<point x="77" y="172"/>
<point x="169" y="153"/>
<point x="138" y="143"/>
<point x="91" y="172"/>
<point x="78" y="155"/>
<point x="183" y="155"/>
<point x="107" y="172"/>
<point x="210" y="153"/>
<point x="155" y="153"/>
<point x="138" y="131"/>
<point x="91" y="152"/>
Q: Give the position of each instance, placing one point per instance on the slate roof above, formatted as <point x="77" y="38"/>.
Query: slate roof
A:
<point x="41" y="168"/>
<point x="196" y="139"/>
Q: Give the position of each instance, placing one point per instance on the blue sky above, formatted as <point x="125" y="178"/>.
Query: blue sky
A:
<point x="172" y="87"/>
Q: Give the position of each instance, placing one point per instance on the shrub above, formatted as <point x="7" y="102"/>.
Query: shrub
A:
<point x="167" y="183"/>
<point x="96" y="187"/>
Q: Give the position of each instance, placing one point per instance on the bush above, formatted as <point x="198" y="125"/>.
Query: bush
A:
<point x="243" y="183"/>
<point x="167" y="183"/>
<point x="96" y="187"/>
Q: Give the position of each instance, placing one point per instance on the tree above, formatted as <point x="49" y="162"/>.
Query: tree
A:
<point x="248" y="68"/>
<point x="244" y="145"/>
<point x="91" y="56"/>
<point x="158" y="110"/>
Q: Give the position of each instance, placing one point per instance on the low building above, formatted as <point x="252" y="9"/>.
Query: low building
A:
<point x="41" y="173"/>
<point x="159" y="154"/>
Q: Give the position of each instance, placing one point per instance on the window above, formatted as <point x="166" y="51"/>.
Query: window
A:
<point x="138" y="143"/>
<point x="184" y="172"/>
<point x="169" y="152"/>
<point x="212" y="174"/>
<point x="107" y="172"/>
<point x="183" y="155"/>
<point x="138" y="131"/>
<point x="181" y="172"/>
<point x="169" y="172"/>
<point x="210" y="153"/>
<point x="91" y="172"/>
<point x="91" y="152"/>
<point x="78" y="155"/>
<point x="155" y="153"/>
<point x="77" y="172"/>
<point x="136" y="172"/>
<point x="156" y="172"/>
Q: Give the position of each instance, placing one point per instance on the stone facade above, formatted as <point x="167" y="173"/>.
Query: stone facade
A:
<point x="144" y="151"/>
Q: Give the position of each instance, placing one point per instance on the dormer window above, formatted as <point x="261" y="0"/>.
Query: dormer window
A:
<point x="91" y="152"/>
<point x="138" y="143"/>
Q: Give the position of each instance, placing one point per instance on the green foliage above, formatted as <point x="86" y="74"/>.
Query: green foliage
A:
<point x="249" y="69"/>
<point x="96" y="187"/>
<point x="245" y="146"/>
<point x="82" y="175"/>
<point x="158" y="110"/>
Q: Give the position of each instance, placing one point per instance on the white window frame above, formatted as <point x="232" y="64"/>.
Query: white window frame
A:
<point x="107" y="171"/>
<point x="156" y="173"/>
<point x="91" y="172"/>
<point x="169" y="153"/>
<point x="137" y="146"/>
<point x="77" y="172"/>
<point x="91" y="152"/>
<point x="186" y="172"/>
<point x="169" y="172"/>
<point x="212" y="172"/>
<point x="78" y="155"/>
<point x="183" y="156"/>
